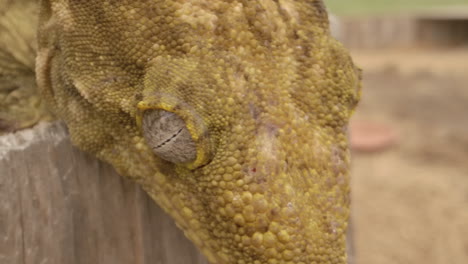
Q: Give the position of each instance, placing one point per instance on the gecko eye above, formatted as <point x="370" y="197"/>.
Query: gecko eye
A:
<point x="167" y="134"/>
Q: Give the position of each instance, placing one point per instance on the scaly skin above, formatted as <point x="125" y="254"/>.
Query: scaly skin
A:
<point x="264" y="90"/>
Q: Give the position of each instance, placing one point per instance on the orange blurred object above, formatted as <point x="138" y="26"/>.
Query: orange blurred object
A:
<point x="371" y="137"/>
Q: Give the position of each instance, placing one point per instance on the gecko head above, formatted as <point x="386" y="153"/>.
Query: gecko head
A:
<point x="263" y="110"/>
<point x="258" y="159"/>
<point x="233" y="116"/>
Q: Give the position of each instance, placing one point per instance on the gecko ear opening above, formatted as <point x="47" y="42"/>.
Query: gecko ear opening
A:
<point x="167" y="135"/>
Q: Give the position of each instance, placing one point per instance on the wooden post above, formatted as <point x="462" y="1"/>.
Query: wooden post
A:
<point x="59" y="205"/>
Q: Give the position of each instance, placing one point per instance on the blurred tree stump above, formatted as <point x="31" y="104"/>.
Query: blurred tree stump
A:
<point x="59" y="205"/>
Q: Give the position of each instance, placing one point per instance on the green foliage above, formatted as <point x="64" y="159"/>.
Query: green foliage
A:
<point x="356" y="7"/>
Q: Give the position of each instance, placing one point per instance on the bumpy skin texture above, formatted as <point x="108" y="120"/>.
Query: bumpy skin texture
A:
<point x="264" y="90"/>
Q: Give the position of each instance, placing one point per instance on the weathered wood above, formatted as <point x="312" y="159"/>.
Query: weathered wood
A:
<point x="433" y="28"/>
<point x="378" y="32"/>
<point x="59" y="205"/>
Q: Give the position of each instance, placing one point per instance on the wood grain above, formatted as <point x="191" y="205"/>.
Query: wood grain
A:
<point x="60" y="205"/>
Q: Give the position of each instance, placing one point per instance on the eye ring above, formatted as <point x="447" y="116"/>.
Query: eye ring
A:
<point x="192" y="148"/>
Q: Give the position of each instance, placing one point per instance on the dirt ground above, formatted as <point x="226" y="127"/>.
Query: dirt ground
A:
<point x="410" y="202"/>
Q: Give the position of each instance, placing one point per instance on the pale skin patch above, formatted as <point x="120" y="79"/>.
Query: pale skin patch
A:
<point x="82" y="89"/>
<point x="289" y="8"/>
<point x="64" y="16"/>
<point x="268" y="20"/>
<point x="196" y="14"/>
<point x="43" y="68"/>
<point x="267" y="148"/>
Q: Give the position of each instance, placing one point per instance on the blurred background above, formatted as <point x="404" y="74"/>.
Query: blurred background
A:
<point x="410" y="132"/>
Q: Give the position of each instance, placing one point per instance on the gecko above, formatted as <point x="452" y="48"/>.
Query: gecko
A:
<point x="232" y="115"/>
